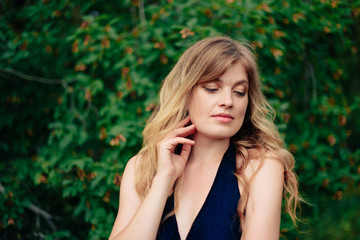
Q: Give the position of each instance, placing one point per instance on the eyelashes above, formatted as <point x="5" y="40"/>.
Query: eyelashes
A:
<point x="242" y="94"/>
<point x="210" y="90"/>
<point x="214" y="90"/>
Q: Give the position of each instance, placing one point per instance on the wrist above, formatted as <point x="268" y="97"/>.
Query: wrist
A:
<point x="163" y="182"/>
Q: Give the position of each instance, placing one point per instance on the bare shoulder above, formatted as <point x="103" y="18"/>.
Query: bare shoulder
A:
<point x="265" y="175"/>
<point x="129" y="179"/>
<point x="129" y="200"/>
<point x="264" y="163"/>
<point x="130" y="166"/>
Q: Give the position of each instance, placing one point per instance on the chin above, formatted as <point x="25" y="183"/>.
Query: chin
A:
<point x="218" y="133"/>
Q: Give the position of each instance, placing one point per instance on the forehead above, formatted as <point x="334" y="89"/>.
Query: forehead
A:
<point x="234" y="75"/>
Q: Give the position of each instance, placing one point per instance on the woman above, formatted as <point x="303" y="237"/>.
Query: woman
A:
<point x="210" y="139"/>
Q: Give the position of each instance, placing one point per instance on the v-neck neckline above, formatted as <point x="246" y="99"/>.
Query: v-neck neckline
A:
<point x="206" y="199"/>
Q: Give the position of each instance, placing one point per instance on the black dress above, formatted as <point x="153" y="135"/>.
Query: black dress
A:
<point x="218" y="218"/>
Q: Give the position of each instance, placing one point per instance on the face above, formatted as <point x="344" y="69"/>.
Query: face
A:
<point x="218" y="107"/>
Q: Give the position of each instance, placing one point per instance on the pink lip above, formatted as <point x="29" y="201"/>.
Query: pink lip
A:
<point x="222" y="117"/>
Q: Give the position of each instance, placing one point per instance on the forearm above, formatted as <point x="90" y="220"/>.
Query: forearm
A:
<point x="146" y="221"/>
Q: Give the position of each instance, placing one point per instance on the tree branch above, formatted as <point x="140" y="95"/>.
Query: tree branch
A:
<point x="40" y="212"/>
<point x="142" y="13"/>
<point x="34" y="78"/>
<point x="2" y="189"/>
<point x="310" y="68"/>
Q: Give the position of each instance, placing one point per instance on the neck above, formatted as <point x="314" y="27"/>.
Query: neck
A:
<point x="208" y="149"/>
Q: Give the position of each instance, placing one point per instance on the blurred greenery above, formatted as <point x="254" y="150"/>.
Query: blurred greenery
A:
<point x="80" y="78"/>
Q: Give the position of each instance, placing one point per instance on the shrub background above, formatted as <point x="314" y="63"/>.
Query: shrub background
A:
<point x="78" y="79"/>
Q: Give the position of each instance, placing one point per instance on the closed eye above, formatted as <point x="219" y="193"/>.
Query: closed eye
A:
<point x="239" y="93"/>
<point x="210" y="90"/>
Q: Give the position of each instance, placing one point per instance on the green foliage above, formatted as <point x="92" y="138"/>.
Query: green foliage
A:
<point x="79" y="79"/>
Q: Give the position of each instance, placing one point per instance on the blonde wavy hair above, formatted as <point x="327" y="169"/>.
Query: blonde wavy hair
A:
<point x="207" y="60"/>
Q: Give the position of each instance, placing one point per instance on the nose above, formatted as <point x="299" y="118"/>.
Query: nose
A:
<point x="226" y="99"/>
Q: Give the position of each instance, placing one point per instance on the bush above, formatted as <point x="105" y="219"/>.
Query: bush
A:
<point x="80" y="79"/>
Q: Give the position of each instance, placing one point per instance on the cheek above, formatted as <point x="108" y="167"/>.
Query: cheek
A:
<point x="243" y="105"/>
<point x="195" y="112"/>
<point x="195" y="104"/>
<point x="192" y="109"/>
<point x="242" y="110"/>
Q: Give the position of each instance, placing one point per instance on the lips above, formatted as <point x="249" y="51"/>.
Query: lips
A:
<point x="223" y="117"/>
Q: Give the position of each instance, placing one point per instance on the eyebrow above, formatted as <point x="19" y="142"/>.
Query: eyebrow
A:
<point x="237" y="83"/>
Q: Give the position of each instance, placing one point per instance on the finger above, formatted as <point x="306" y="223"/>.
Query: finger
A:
<point x="183" y="122"/>
<point x="184" y="131"/>
<point x="181" y="132"/>
<point x="185" y="151"/>
<point x="173" y="142"/>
